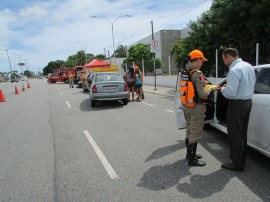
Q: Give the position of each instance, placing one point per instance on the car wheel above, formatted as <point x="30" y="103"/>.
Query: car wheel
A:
<point x="93" y="103"/>
<point x="125" y="101"/>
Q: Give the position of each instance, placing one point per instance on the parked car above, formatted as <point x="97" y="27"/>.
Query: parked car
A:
<point x="24" y="78"/>
<point x="108" y="86"/>
<point x="216" y="115"/>
<point x="14" y="79"/>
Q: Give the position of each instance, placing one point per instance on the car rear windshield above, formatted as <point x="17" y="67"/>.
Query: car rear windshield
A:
<point x="108" y="77"/>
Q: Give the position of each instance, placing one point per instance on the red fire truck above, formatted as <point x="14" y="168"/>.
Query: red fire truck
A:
<point x="59" y="75"/>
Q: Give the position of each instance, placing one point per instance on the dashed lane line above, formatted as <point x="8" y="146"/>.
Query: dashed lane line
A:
<point x="68" y="104"/>
<point x="148" y="104"/>
<point x="101" y="156"/>
<point x="167" y="110"/>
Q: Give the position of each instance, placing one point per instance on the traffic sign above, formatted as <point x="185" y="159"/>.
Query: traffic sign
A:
<point x="154" y="45"/>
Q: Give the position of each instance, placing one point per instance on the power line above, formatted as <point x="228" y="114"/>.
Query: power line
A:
<point x="159" y="24"/>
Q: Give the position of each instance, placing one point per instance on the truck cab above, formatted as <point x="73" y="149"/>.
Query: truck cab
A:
<point x="59" y="75"/>
<point x="76" y="71"/>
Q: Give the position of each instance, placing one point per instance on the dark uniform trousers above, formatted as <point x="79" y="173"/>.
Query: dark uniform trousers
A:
<point x="237" y="125"/>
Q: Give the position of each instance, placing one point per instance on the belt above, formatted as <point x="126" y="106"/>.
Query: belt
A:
<point x="239" y="100"/>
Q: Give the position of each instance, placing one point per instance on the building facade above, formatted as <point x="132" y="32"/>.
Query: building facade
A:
<point x="163" y="43"/>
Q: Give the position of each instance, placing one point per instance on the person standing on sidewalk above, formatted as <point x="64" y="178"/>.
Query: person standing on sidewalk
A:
<point x="130" y="79"/>
<point x="138" y="83"/>
<point x="193" y="97"/>
<point x="239" y="90"/>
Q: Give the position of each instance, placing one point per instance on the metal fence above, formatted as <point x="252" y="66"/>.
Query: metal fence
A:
<point x="254" y="54"/>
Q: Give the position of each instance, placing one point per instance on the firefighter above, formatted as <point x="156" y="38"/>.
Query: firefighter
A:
<point x="83" y="80"/>
<point x="193" y="97"/>
<point x="70" y="79"/>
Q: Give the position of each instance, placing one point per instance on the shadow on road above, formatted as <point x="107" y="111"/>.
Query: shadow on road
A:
<point x="85" y="105"/>
<point x="165" y="151"/>
<point x="255" y="177"/>
<point x="158" y="178"/>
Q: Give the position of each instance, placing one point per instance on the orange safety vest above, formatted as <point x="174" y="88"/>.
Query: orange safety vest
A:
<point x="188" y="94"/>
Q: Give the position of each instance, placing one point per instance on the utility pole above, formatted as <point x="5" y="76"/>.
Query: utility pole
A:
<point x="154" y="54"/>
<point x="105" y="53"/>
<point x="26" y="64"/>
<point x="8" y="59"/>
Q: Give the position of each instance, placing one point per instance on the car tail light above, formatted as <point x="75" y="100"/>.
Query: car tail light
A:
<point x="125" y="87"/>
<point x="94" y="89"/>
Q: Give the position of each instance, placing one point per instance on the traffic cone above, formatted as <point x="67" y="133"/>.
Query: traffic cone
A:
<point x="2" y="97"/>
<point x="23" y="89"/>
<point x="16" y="91"/>
<point x="28" y="85"/>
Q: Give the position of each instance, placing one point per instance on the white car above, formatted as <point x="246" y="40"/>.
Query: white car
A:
<point x="24" y="78"/>
<point x="259" y="126"/>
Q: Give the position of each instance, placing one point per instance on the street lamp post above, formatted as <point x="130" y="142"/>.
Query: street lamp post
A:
<point x="112" y="30"/>
<point x="8" y="59"/>
<point x="20" y="64"/>
<point x="26" y="64"/>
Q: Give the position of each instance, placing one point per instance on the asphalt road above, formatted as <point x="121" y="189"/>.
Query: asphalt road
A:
<point x="55" y="147"/>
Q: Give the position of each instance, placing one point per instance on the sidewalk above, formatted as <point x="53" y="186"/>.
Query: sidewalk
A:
<point x="160" y="90"/>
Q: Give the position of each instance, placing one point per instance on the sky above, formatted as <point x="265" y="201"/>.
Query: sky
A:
<point x="36" y="32"/>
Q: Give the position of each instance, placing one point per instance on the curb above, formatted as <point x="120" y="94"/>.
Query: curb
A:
<point x="158" y="93"/>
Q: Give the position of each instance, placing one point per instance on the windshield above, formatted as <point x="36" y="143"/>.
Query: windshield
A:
<point x="108" y="77"/>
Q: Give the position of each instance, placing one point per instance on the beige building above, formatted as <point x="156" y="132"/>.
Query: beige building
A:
<point x="163" y="43"/>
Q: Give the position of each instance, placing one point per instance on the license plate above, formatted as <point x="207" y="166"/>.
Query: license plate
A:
<point x="110" y="89"/>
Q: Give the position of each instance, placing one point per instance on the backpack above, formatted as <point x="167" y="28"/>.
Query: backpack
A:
<point x="130" y="77"/>
<point x="138" y="79"/>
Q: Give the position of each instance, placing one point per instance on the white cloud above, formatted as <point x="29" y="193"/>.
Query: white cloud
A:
<point x="45" y="31"/>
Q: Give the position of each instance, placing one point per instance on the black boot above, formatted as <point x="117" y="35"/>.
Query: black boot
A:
<point x="192" y="160"/>
<point x="198" y="156"/>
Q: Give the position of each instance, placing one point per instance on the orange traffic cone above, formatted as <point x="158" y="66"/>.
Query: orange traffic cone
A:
<point x="2" y="97"/>
<point x="28" y="85"/>
<point x="23" y="89"/>
<point x="16" y="91"/>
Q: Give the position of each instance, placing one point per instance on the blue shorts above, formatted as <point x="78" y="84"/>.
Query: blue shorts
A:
<point x="138" y="85"/>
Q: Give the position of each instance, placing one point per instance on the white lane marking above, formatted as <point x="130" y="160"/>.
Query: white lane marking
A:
<point x="68" y="104"/>
<point x="167" y="110"/>
<point x="58" y="88"/>
<point x="61" y="93"/>
<point x="101" y="156"/>
<point x="148" y="104"/>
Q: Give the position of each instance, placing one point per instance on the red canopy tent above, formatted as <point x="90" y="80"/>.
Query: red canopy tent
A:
<point x="96" y="63"/>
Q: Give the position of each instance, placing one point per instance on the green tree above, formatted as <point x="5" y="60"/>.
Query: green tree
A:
<point x="100" y="57"/>
<point x="120" y="52"/>
<point x="137" y="53"/>
<point x="227" y="23"/>
<point x="52" y="66"/>
<point x="79" y="59"/>
<point x="27" y="73"/>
